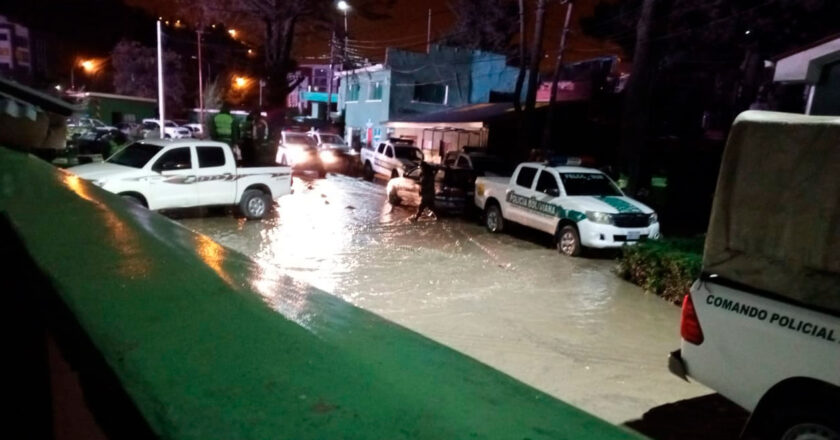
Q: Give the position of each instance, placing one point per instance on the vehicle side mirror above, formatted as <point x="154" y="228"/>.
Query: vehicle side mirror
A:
<point x="554" y="192"/>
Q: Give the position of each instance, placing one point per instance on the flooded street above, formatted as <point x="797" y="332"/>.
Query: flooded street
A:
<point x="568" y="327"/>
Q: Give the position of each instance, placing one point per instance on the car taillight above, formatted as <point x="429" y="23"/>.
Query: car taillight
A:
<point x="689" y="324"/>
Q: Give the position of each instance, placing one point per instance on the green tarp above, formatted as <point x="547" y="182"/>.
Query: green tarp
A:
<point x="775" y="221"/>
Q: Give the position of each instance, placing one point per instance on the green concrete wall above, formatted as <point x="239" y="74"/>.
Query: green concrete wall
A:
<point x="212" y="345"/>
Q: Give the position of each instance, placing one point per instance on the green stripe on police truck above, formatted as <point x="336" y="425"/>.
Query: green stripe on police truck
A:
<point x="544" y="208"/>
<point x="623" y="206"/>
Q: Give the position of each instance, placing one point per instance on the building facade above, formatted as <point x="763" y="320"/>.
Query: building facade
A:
<point x="816" y="68"/>
<point x="15" y="50"/>
<point x="411" y="83"/>
<point x="310" y="97"/>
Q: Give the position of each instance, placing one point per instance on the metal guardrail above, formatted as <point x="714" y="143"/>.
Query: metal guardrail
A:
<point x="208" y="343"/>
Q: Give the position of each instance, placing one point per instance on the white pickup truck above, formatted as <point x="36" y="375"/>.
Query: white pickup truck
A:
<point x="580" y="207"/>
<point x="161" y="174"/>
<point x="762" y="324"/>
<point x="390" y="159"/>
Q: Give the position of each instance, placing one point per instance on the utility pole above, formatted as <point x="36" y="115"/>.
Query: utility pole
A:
<point x="330" y="78"/>
<point x="161" y="105"/>
<point x="520" y="78"/>
<point x="536" y="57"/>
<point x="200" y="84"/>
<point x="429" y="33"/>
<point x="558" y="66"/>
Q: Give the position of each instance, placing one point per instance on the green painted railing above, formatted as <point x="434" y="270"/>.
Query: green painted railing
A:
<point x="209" y="344"/>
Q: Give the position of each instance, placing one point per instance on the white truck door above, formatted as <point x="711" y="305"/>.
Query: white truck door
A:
<point x="390" y="161"/>
<point x="378" y="159"/>
<point x="173" y="183"/>
<point x="547" y="194"/>
<point x="215" y="180"/>
<point x="519" y="195"/>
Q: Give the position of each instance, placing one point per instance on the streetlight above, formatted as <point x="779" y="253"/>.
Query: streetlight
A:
<point x="342" y="6"/>
<point x="241" y="82"/>
<point x="90" y="66"/>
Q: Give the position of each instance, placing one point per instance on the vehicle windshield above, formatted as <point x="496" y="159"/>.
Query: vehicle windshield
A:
<point x="589" y="184"/>
<point x="408" y="153"/>
<point x="298" y="139"/>
<point x="332" y="139"/>
<point x="136" y="155"/>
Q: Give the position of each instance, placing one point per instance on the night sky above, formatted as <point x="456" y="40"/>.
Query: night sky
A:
<point x="93" y="27"/>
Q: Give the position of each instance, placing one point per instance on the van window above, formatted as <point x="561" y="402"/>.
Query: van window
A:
<point x="381" y="149"/>
<point x="526" y="177"/>
<point x="463" y="162"/>
<point x="389" y="152"/>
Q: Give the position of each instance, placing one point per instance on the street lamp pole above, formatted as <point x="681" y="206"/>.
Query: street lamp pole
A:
<point x="200" y="83"/>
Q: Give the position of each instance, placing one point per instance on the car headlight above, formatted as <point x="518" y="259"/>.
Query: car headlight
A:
<point x="327" y="157"/>
<point x="296" y="155"/>
<point x="599" y="217"/>
<point x="653" y="218"/>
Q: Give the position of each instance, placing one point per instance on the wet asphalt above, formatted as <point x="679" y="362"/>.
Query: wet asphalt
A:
<point x="567" y="326"/>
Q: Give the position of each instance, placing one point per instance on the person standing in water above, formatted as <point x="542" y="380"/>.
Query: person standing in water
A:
<point x="427" y="190"/>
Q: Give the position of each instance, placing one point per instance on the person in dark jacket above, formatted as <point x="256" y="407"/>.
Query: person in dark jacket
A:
<point x="427" y="190"/>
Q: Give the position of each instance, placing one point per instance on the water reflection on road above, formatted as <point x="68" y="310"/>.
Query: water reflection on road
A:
<point x="566" y="326"/>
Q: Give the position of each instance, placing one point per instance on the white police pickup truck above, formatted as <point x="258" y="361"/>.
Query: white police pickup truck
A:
<point x="762" y="324"/>
<point x="161" y="174"/>
<point x="580" y="207"/>
<point x="391" y="159"/>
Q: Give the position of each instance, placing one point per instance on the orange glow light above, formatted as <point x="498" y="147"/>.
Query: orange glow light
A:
<point x="241" y="82"/>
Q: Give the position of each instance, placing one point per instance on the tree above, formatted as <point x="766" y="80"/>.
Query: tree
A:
<point x="705" y="59"/>
<point x="483" y="24"/>
<point x="274" y="24"/>
<point x="135" y="73"/>
<point x="520" y="78"/>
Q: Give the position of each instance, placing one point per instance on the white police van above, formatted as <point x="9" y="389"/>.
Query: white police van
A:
<point x="762" y="324"/>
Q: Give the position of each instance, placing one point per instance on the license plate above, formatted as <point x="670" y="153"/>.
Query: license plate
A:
<point x="633" y="235"/>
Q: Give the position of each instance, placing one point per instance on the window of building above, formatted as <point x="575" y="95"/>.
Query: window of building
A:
<point x="353" y="90"/>
<point x="375" y="92"/>
<point x="431" y="93"/>
<point x="209" y="157"/>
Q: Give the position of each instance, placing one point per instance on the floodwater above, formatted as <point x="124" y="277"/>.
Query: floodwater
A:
<point x="568" y="327"/>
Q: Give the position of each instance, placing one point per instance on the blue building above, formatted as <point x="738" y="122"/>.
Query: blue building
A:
<point x="411" y="83"/>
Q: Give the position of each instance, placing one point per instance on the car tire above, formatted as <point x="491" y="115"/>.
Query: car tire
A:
<point x="568" y="241"/>
<point x="134" y="200"/>
<point x="368" y="172"/>
<point x="493" y="219"/>
<point x="254" y="204"/>
<point x="814" y="424"/>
